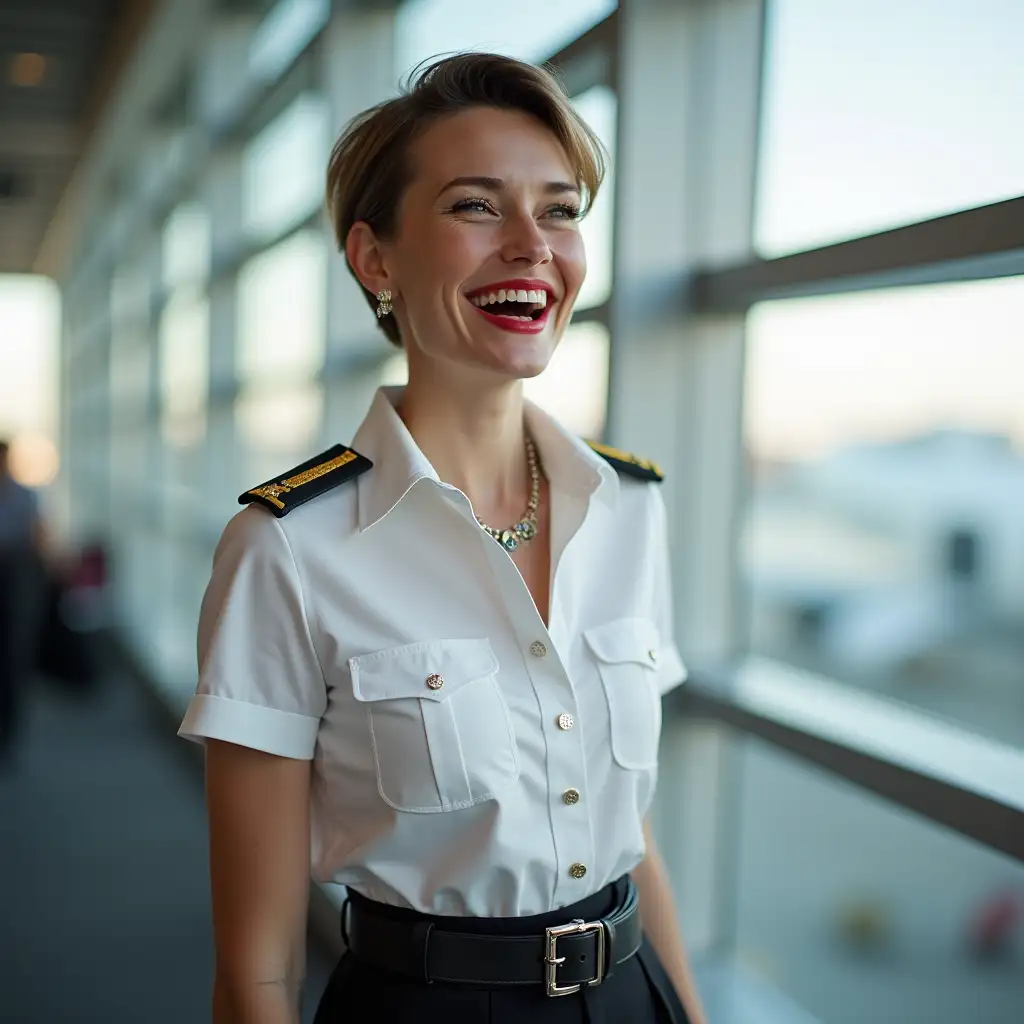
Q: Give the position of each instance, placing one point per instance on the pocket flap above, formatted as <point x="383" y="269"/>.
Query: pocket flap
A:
<point x="398" y="672"/>
<point x="625" y="640"/>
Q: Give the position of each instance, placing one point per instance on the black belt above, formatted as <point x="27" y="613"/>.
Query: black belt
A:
<point x="563" y="959"/>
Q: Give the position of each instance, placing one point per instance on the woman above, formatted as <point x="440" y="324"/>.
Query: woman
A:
<point x="439" y="682"/>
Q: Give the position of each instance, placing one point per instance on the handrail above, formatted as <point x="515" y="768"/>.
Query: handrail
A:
<point x="912" y="758"/>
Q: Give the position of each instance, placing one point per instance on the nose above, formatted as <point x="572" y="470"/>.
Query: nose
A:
<point x="524" y="242"/>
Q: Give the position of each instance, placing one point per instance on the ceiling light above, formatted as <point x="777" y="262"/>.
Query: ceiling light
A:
<point x="27" y="69"/>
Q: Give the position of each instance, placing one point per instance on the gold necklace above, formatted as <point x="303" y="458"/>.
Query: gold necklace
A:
<point x="526" y="529"/>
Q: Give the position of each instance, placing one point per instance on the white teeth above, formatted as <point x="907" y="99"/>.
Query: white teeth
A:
<point x="539" y="298"/>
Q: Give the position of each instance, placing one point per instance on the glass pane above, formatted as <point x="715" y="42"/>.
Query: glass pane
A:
<point x="282" y="310"/>
<point x="276" y="425"/>
<point x="186" y="246"/>
<point x="283" y="34"/>
<point x="910" y="117"/>
<point x="864" y="912"/>
<point x="883" y="544"/>
<point x="597" y="107"/>
<point x="533" y="31"/>
<point x="130" y="290"/>
<point x="574" y="387"/>
<point x="283" y="168"/>
<point x="394" y="370"/>
<point x="184" y="368"/>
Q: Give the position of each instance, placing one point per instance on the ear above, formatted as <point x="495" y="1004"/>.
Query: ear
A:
<point x="366" y="258"/>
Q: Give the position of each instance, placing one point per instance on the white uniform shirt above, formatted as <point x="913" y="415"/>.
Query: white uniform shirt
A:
<point x="467" y="759"/>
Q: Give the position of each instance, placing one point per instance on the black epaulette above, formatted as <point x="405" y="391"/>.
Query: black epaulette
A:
<point x="311" y="479"/>
<point x="631" y="465"/>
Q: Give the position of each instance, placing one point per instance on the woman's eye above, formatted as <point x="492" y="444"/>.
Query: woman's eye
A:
<point x="565" y="211"/>
<point x="471" y="206"/>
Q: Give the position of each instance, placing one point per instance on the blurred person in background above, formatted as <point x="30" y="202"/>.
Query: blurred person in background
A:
<point x="496" y="852"/>
<point x="21" y="575"/>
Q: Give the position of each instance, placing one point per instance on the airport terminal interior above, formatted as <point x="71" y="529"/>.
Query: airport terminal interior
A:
<point x="804" y="301"/>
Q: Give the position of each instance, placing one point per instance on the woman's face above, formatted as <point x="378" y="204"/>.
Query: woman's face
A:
<point x="487" y="258"/>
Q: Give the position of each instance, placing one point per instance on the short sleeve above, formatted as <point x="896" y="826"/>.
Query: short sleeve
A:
<point x="260" y="681"/>
<point x="671" y="670"/>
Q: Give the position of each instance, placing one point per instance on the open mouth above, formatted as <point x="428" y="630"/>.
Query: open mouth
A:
<point x="512" y="307"/>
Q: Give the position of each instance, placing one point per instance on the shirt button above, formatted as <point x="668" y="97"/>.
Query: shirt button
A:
<point x="571" y="796"/>
<point x="652" y="654"/>
<point x="538" y="649"/>
<point x="565" y="721"/>
<point x="435" y="682"/>
<point x="578" y="870"/>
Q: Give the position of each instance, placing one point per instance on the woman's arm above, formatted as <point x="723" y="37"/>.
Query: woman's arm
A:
<point x="258" y="807"/>
<point x="657" y="911"/>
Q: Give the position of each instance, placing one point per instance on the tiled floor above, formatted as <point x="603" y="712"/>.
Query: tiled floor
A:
<point x="104" y="905"/>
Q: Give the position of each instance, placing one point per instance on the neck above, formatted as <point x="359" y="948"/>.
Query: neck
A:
<point x="474" y="440"/>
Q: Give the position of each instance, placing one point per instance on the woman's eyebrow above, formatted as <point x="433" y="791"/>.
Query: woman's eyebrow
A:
<point x="497" y="184"/>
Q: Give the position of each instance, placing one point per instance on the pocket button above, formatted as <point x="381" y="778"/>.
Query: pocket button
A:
<point x="434" y="681"/>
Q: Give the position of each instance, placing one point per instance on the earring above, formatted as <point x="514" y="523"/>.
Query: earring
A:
<point x="383" y="302"/>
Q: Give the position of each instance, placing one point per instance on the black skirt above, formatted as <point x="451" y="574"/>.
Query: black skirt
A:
<point x="638" y="992"/>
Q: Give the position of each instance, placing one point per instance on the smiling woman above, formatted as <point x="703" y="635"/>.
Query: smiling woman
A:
<point x="519" y="122"/>
<point x="409" y="689"/>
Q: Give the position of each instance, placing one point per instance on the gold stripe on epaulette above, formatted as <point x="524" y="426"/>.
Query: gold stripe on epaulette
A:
<point x="273" y="492"/>
<point x="622" y="456"/>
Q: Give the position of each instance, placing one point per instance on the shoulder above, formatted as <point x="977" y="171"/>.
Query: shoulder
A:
<point x="628" y="464"/>
<point x="310" y="479"/>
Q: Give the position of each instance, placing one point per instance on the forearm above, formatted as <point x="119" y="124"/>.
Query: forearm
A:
<point x="274" y="1001"/>
<point x="657" y="911"/>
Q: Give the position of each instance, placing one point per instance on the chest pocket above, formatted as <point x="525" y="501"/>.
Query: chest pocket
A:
<point x="626" y="655"/>
<point x="441" y="732"/>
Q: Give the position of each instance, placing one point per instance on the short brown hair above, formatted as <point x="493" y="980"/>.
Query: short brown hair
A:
<point x="369" y="167"/>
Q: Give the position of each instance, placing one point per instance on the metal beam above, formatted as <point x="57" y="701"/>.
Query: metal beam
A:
<point x="590" y="59"/>
<point x="956" y="795"/>
<point x="980" y="243"/>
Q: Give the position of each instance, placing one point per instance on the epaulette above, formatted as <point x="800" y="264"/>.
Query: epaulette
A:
<point x="631" y="465"/>
<point x="311" y="479"/>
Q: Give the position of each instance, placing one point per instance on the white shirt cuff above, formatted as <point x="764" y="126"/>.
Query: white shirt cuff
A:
<point x="250" y="725"/>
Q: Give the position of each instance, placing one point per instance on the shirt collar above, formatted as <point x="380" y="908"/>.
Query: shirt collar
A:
<point x="398" y="463"/>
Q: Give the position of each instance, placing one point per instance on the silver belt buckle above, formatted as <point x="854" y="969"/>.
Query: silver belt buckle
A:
<point x="552" y="961"/>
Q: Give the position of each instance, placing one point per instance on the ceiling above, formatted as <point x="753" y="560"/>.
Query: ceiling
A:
<point x="58" y="60"/>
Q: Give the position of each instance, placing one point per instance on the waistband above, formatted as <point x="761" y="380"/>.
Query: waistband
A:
<point x="568" y="949"/>
<point x="590" y="908"/>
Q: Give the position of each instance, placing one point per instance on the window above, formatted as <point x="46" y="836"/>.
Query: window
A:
<point x="281" y="311"/>
<point x="283" y="169"/>
<point x="597" y="106"/>
<point x="283" y="34"/>
<point x="186" y="246"/>
<point x="184" y="327"/>
<point x="533" y="31"/>
<point x="280" y="351"/>
<point x="574" y="387"/>
<point x="883" y="544"/>
<point x="910" y="117"/>
<point x="184" y="369"/>
<point x="864" y="912"/>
